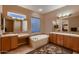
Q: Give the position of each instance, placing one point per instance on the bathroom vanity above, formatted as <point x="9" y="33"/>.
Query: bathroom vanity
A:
<point x="0" y="44"/>
<point x="8" y="42"/>
<point x="12" y="41"/>
<point x="67" y="40"/>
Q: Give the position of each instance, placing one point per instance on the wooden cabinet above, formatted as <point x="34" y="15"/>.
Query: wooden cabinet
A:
<point x="0" y="44"/>
<point x="67" y="42"/>
<point x="14" y="42"/>
<point x="56" y="38"/>
<point x="53" y="38"/>
<point x="11" y="42"/>
<point x="60" y="39"/>
<point x="75" y="43"/>
<point x="50" y="37"/>
<point x="8" y="43"/>
<point x="5" y="44"/>
<point x="71" y="42"/>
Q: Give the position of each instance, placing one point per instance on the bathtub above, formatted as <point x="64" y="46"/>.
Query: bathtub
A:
<point x="38" y="40"/>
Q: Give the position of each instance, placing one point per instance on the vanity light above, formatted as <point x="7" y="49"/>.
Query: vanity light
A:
<point x="67" y="14"/>
<point x="64" y="15"/>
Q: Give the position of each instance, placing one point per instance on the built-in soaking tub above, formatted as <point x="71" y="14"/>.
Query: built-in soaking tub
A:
<point x="38" y="40"/>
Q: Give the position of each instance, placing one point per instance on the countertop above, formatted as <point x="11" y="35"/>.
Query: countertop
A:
<point x="23" y="34"/>
<point x="64" y="33"/>
<point x="17" y="34"/>
<point x="6" y="35"/>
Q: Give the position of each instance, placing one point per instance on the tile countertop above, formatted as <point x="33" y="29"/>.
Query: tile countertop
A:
<point x="64" y="33"/>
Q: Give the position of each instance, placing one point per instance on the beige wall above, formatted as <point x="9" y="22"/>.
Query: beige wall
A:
<point x="50" y="16"/>
<point x="0" y="15"/>
<point x="46" y="19"/>
<point x="21" y="10"/>
<point x="73" y="21"/>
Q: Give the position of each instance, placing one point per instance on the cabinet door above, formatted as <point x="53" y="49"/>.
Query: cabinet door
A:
<point x="0" y="44"/>
<point x="54" y="38"/>
<point x="71" y="42"/>
<point x="14" y="42"/>
<point x="75" y="43"/>
<point x="50" y="37"/>
<point x="60" y="40"/>
<point x="5" y="43"/>
<point x="67" y="42"/>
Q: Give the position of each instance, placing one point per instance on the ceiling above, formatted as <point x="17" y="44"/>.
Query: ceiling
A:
<point x="44" y="8"/>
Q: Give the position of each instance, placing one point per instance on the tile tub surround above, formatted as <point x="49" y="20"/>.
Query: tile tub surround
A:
<point x="51" y="49"/>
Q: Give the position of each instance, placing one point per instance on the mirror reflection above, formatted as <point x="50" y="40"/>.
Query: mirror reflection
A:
<point x="17" y="22"/>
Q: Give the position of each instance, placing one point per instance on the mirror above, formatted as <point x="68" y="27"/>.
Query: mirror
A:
<point x="60" y="25"/>
<point x="15" y="25"/>
<point x="16" y="22"/>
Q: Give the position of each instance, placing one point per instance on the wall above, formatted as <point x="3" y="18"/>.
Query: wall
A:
<point x="73" y="21"/>
<point x="21" y="10"/>
<point x="50" y="16"/>
<point x="46" y="19"/>
<point x="0" y="16"/>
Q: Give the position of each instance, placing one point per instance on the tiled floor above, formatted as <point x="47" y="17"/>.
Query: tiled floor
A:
<point x="21" y="50"/>
<point x="47" y="49"/>
<point x="51" y="49"/>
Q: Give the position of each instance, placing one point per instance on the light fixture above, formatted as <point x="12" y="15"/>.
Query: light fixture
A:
<point x="64" y="15"/>
<point x="40" y="10"/>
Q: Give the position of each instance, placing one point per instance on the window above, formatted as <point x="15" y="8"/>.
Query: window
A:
<point x="24" y="26"/>
<point x="35" y="23"/>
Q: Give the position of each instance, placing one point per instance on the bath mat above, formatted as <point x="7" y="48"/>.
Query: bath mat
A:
<point x="51" y="49"/>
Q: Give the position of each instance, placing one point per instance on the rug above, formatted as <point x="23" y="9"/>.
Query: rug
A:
<point x="51" y="49"/>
